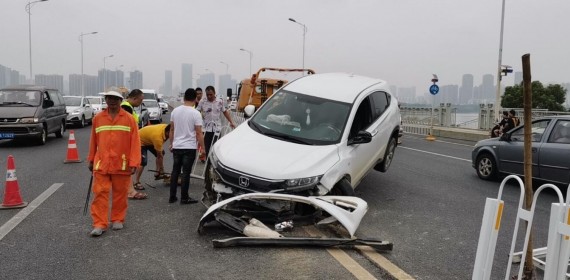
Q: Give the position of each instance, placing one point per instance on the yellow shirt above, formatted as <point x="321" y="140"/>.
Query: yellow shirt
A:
<point x="153" y="135"/>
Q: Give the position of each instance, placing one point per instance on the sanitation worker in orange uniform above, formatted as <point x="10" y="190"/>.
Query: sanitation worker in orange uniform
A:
<point x="114" y="155"/>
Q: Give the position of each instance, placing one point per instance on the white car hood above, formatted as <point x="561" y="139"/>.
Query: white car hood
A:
<point x="250" y="152"/>
<point x="70" y="109"/>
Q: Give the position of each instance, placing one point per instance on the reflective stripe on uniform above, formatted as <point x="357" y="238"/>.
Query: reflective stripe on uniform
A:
<point x="124" y="167"/>
<point x="113" y="128"/>
<point x="97" y="165"/>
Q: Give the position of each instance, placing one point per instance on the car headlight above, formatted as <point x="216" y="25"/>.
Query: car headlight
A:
<point x="154" y="114"/>
<point x="302" y="182"/>
<point x="76" y="112"/>
<point x="29" y="120"/>
<point x="213" y="158"/>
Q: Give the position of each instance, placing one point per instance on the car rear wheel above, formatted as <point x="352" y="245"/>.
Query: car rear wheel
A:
<point x="59" y="133"/>
<point x="388" y="156"/>
<point x="486" y="167"/>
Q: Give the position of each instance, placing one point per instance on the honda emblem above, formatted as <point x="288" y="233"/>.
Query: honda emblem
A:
<point x="243" y="181"/>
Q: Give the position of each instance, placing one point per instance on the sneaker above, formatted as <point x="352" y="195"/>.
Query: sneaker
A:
<point x="97" y="232"/>
<point x="117" y="226"/>
<point x="188" y="201"/>
<point x="172" y="200"/>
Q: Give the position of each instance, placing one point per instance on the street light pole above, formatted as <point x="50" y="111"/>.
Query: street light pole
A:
<point x="227" y="66"/>
<point x="105" y="72"/>
<point x="250" y="57"/>
<point x="499" y="67"/>
<point x="29" y="11"/>
<point x="304" y="34"/>
<point x="82" y="76"/>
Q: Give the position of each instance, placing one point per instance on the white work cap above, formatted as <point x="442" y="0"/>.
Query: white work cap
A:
<point x="112" y="93"/>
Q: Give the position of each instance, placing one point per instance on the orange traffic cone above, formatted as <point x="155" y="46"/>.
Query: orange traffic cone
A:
<point x="12" y="198"/>
<point x="72" y="154"/>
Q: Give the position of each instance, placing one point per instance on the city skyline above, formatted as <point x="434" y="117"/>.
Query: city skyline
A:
<point x="402" y="42"/>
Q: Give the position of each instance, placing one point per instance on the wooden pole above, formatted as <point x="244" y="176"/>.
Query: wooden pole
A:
<point x="527" y="105"/>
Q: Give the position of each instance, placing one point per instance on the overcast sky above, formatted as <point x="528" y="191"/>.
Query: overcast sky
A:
<point x="400" y="41"/>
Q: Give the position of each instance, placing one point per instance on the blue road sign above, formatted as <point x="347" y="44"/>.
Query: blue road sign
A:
<point x="433" y="89"/>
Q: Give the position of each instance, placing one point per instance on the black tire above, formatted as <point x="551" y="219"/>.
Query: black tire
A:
<point x="342" y="187"/>
<point x="82" y="122"/>
<point x="486" y="167"/>
<point x="43" y="136"/>
<point x="59" y="133"/>
<point x="388" y="156"/>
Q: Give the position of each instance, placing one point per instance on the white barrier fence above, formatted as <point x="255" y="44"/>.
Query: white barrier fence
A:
<point x="558" y="247"/>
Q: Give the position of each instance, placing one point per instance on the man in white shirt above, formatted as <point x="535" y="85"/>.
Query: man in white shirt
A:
<point x="185" y="135"/>
<point x="212" y="108"/>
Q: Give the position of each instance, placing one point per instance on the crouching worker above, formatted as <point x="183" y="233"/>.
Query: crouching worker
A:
<point x="114" y="155"/>
<point x="152" y="139"/>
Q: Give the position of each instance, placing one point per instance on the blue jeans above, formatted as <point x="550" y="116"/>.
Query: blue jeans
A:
<point x="183" y="158"/>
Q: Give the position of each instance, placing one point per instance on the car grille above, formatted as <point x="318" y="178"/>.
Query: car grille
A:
<point x="15" y="130"/>
<point x="246" y="181"/>
<point x="9" y="120"/>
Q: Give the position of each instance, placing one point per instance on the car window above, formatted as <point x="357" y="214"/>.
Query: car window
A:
<point x="302" y="118"/>
<point x="381" y="102"/>
<point x="560" y="133"/>
<point x="86" y="101"/>
<point x="363" y="117"/>
<point x="537" y="131"/>
<point x="72" y="101"/>
<point x="53" y="97"/>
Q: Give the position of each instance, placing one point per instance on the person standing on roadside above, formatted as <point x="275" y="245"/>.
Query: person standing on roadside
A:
<point x="201" y="153"/>
<point x="185" y="135"/>
<point x="212" y="108"/>
<point x="114" y="155"/>
<point x="135" y="99"/>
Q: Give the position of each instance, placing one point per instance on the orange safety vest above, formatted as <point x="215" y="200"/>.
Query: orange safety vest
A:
<point x="114" y="146"/>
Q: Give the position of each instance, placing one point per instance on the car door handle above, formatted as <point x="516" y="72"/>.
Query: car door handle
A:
<point x="374" y="132"/>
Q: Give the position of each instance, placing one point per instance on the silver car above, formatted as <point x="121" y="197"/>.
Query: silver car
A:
<point x="79" y="110"/>
<point x="550" y="152"/>
<point x="154" y="111"/>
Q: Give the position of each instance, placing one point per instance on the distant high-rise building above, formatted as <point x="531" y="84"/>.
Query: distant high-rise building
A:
<point x="109" y="78"/>
<point x="487" y="89"/>
<point x="449" y="94"/>
<point x="466" y="89"/>
<point x="208" y="79"/>
<point x="406" y="94"/>
<point x="52" y="81"/>
<point x="136" y="80"/>
<point x="186" y="78"/>
<point x="9" y="77"/>
<point x="225" y="83"/>
<point x="167" y="82"/>
<point x="91" y="84"/>
<point x="518" y="78"/>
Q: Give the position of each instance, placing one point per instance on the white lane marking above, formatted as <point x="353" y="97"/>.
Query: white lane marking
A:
<point x="432" y="153"/>
<point x="20" y="216"/>
<point x="447" y="142"/>
<point x="342" y="257"/>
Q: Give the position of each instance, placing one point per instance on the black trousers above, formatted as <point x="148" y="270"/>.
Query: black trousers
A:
<point x="209" y="141"/>
<point x="183" y="159"/>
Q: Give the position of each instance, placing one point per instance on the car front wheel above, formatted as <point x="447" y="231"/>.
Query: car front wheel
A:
<point x="82" y="122"/>
<point x="486" y="167"/>
<point x="43" y="137"/>
<point x="59" y="133"/>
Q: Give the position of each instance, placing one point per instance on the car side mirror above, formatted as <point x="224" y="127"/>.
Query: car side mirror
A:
<point x="87" y="105"/>
<point x="249" y="110"/>
<point x="361" y="137"/>
<point x="505" y="137"/>
<point x="48" y="103"/>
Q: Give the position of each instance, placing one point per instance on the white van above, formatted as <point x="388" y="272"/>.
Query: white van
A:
<point x="150" y="94"/>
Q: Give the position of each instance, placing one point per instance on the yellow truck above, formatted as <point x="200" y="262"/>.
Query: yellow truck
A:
<point x="255" y="90"/>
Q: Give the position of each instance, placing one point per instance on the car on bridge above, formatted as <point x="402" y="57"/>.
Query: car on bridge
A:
<point x="550" y="138"/>
<point x="79" y="110"/>
<point x="319" y="134"/>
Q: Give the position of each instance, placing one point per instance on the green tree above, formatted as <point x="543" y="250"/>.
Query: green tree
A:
<point x="551" y="97"/>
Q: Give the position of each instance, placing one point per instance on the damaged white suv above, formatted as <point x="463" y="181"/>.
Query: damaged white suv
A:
<point x="319" y="134"/>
